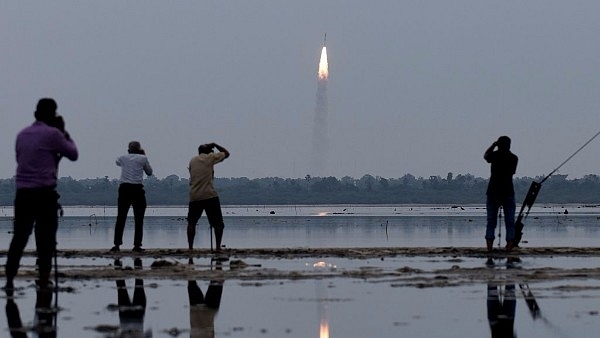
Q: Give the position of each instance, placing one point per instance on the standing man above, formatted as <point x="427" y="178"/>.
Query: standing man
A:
<point x="500" y="191"/>
<point x="39" y="149"/>
<point x="203" y="195"/>
<point x="132" y="194"/>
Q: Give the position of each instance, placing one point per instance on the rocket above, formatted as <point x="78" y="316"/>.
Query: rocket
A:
<point x="325" y="40"/>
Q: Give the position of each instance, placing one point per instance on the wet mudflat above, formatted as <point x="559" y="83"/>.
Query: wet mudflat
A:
<point x="446" y="293"/>
<point x="304" y="276"/>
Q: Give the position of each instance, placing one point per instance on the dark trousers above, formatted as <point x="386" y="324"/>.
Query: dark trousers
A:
<point x="130" y="195"/>
<point x="39" y="207"/>
<point x="493" y="204"/>
<point x="212" y="206"/>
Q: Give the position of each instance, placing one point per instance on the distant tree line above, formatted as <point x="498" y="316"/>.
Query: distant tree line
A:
<point x="459" y="189"/>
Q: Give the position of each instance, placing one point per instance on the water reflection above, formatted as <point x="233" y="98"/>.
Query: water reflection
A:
<point x="132" y="311"/>
<point x="322" y="299"/>
<point x="323" y="305"/>
<point x="501" y="306"/>
<point x="532" y="304"/>
<point x="44" y="325"/>
<point x="204" y="308"/>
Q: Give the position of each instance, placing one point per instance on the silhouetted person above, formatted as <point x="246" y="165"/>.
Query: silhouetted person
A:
<point x="203" y="195"/>
<point x="132" y="311"/>
<point x="501" y="310"/>
<point x="131" y="194"/>
<point x="39" y="149"/>
<point x="500" y="191"/>
<point x="45" y="315"/>
<point x="203" y="309"/>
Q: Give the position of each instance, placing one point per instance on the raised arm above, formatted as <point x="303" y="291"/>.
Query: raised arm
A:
<point x="489" y="151"/>
<point x="220" y="149"/>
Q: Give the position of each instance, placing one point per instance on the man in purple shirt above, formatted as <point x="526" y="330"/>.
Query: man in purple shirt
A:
<point x="39" y="149"/>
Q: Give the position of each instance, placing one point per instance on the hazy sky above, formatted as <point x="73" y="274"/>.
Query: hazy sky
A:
<point x="419" y="87"/>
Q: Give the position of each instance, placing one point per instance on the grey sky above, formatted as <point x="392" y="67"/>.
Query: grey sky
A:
<point x="420" y="87"/>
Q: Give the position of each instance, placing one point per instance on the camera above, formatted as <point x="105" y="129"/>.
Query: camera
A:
<point x="58" y="122"/>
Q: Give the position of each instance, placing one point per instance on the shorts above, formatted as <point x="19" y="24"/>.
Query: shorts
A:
<point x="213" y="212"/>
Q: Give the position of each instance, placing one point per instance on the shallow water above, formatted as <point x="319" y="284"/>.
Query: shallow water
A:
<point x="325" y="226"/>
<point x="328" y="307"/>
<point x="338" y="307"/>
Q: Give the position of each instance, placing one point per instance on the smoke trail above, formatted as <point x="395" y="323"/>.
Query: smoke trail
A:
<point x="320" y="139"/>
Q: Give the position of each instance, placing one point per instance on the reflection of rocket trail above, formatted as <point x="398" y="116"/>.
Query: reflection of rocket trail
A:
<point x="324" y="321"/>
<point x="324" y="326"/>
<point x="320" y="139"/>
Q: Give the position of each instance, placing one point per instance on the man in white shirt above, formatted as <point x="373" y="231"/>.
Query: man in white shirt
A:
<point x="132" y="194"/>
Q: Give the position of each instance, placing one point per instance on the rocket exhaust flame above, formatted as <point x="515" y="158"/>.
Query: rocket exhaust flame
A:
<point x="323" y="65"/>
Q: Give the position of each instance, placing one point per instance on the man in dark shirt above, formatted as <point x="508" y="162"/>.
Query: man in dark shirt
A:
<point x="500" y="191"/>
<point x="39" y="149"/>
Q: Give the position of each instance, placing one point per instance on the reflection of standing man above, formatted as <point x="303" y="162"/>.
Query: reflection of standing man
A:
<point x="500" y="191"/>
<point x="132" y="194"/>
<point x="203" y="310"/>
<point x="132" y="312"/>
<point x="203" y="195"/>
<point x="501" y="310"/>
<point x="45" y="316"/>
<point x="39" y="149"/>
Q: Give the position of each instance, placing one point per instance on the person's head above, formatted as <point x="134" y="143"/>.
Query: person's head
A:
<point x="46" y="110"/>
<point x="503" y="143"/>
<point x="135" y="147"/>
<point x="205" y="149"/>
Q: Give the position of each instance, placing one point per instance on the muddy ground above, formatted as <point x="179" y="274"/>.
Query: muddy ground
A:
<point x="233" y="263"/>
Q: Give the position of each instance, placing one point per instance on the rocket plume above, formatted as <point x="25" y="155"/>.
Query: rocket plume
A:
<point x="320" y="135"/>
<point x="323" y="65"/>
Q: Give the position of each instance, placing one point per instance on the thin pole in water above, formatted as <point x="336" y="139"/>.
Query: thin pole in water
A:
<point x="211" y="240"/>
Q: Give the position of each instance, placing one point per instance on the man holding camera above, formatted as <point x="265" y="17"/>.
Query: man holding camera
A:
<point x="500" y="191"/>
<point x="203" y="195"/>
<point x="39" y="149"/>
<point x="132" y="194"/>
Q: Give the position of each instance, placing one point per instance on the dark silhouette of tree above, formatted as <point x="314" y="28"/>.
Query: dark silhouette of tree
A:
<point x="459" y="189"/>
